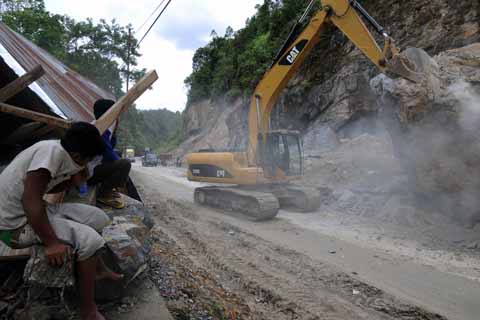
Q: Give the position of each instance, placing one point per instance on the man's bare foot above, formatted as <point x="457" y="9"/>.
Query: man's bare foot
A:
<point x="104" y="272"/>
<point x="94" y="315"/>
<point x="109" y="275"/>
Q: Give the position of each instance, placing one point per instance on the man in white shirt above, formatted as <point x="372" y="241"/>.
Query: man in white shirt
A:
<point x="25" y="219"/>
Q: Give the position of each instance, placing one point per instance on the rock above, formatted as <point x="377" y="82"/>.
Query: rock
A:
<point x="3" y="307"/>
<point x="128" y="242"/>
<point x="39" y="273"/>
<point x="399" y="211"/>
<point x="318" y="140"/>
<point x="439" y="141"/>
<point x="134" y="209"/>
<point x="472" y="246"/>
<point x="36" y="312"/>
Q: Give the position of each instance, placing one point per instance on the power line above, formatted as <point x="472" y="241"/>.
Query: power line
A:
<point x="138" y="43"/>
<point x="158" y="17"/>
<point x="149" y="17"/>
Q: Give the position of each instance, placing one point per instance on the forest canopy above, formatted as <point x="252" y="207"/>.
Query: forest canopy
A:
<point x="232" y="64"/>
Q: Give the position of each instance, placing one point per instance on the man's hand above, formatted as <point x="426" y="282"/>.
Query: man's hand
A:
<point x="58" y="253"/>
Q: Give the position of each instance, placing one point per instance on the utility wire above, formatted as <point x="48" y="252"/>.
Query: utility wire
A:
<point x="149" y="17"/>
<point x="158" y="17"/>
<point x="156" y="9"/>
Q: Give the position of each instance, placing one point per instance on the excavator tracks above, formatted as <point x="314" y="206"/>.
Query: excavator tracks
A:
<point x="297" y="198"/>
<point x="259" y="202"/>
<point x="258" y="206"/>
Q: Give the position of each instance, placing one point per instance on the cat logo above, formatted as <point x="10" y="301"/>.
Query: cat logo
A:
<point x="220" y="173"/>
<point x="290" y="58"/>
<point x="293" y="55"/>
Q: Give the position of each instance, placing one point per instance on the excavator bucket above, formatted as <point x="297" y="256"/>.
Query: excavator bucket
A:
<point x="413" y="64"/>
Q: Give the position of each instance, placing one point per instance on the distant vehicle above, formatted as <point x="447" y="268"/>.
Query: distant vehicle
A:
<point x="150" y="160"/>
<point x="165" y="158"/>
<point x="129" y="153"/>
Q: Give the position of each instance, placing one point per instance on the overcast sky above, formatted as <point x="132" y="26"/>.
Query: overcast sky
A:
<point x="169" y="47"/>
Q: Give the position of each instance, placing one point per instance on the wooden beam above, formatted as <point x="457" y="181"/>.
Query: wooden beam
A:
<point x="19" y="84"/>
<point x="35" y="116"/>
<point x="126" y="101"/>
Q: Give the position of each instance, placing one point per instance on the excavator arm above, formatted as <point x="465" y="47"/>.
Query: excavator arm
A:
<point x="345" y="15"/>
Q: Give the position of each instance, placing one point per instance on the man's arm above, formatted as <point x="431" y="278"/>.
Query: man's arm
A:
<point x="35" y="186"/>
<point x="109" y="154"/>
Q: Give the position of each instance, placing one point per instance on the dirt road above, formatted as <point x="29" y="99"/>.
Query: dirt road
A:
<point x="293" y="268"/>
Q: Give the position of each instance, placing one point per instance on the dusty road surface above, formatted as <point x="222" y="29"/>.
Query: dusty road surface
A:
<point x="301" y="266"/>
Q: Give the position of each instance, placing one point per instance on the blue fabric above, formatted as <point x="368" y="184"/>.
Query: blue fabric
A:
<point x="109" y="155"/>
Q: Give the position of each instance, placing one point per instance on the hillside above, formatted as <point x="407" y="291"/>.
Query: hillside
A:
<point x="155" y="129"/>
<point x="338" y="97"/>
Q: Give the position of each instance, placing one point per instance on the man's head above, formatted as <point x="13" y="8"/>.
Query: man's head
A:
<point x="83" y="142"/>
<point x="101" y="106"/>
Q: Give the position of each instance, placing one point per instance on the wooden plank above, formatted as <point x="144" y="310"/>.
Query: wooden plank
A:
<point x="35" y="116"/>
<point x="19" y="84"/>
<point x="126" y="101"/>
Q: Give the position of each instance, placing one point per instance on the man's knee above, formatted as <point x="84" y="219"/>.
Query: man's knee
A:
<point x="99" y="219"/>
<point x="84" y="214"/>
<point x="89" y="242"/>
<point x="82" y="237"/>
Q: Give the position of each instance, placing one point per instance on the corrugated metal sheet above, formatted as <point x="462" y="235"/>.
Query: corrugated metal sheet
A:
<point x="61" y="88"/>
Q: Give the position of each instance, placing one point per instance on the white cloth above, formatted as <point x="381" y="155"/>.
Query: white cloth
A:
<point x="48" y="155"/>
<point x="92" y="164"/>
<point x="76" y="224"/>
<point x="98" y="159"/>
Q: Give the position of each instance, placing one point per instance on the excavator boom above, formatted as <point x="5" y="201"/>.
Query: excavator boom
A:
<point x="275" y="157"/>
<point x="345" y="15"/>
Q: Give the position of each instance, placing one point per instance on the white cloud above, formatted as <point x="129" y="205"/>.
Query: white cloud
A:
<point x="169" y="47"/>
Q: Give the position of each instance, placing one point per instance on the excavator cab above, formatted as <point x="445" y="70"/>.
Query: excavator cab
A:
<point x="282" y="155"/>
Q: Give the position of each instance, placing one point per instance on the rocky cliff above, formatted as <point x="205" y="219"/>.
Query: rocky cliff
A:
<point x="333" y="97"/>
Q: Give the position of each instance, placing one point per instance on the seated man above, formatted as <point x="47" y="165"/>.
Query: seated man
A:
<point x="109" y="171"/>
<point x="25" y="219"/>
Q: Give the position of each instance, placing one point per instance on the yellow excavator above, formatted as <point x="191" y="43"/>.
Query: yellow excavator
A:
<point x="259" y="178"/>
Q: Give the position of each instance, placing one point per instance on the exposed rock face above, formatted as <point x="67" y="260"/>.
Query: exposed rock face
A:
<point x="332" y="89"/>
<point x="332" y="97"/>
<point x="224" y="127"/>
<point x="439" y="125"/>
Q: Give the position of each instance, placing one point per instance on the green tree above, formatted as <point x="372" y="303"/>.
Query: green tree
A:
<point x="233" y="64"/>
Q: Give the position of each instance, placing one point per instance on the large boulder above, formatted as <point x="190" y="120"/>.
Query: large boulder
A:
<point x="128" y="245"/>
<point x="437" y="136"/>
